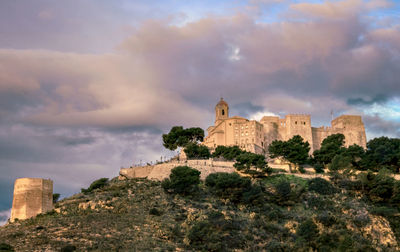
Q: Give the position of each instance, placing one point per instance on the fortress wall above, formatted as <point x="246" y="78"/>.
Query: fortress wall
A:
<point x="136" y="172"/>
<point x="319" y="134"/>
<point x="32" y="196"/>
<point x="353" y="136"/>
<point x="352" y="127"/>
<point x="299" y="125"/>
<point x="271" y="130"/>
<point x="162" y="171"/>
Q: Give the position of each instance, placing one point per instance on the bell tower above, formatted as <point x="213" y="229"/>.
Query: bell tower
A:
<point x="221" y="111"/>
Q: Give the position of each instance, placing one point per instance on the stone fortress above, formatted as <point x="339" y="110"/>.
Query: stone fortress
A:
<point x="32" y="196"/>
<point x="255" y="136"/>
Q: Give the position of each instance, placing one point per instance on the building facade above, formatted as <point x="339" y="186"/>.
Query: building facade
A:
<point x="255" y="136"/>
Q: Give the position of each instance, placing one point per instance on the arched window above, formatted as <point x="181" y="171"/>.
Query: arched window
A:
<point x="223" y="112"/>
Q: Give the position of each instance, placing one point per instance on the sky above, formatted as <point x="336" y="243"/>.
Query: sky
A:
<point x="89" y="86"/>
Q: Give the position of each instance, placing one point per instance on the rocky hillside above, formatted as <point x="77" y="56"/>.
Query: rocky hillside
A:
<point x="277" y="213"/>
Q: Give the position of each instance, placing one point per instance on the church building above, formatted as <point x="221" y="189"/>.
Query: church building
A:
<point x="255" y="136"/>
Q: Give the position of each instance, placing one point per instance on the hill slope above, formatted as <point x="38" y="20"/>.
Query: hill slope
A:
<point x="284" y="212"/>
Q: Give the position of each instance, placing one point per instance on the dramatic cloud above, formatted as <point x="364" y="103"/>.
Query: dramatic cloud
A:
<point x="86" y="90"/>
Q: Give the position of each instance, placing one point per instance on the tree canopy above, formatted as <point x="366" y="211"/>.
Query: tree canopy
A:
<point x="180" y="137"/>
<point x="330" y="147"/>
<point x="195" y="151"/>
<point x="182" y="180"/>
<point x="383" y="152"/>
<point x="227" y="152"/>
<point x="295" y="150"/>
<point x="252" y="164"/>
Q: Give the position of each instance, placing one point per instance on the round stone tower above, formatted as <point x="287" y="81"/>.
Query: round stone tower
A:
<point x="221" y="111"/>
<point x="32" y="196"/>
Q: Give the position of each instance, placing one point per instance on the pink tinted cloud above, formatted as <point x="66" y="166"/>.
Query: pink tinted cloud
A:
<point x="163" y="74"/>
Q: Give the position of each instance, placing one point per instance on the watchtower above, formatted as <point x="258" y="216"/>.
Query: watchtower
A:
<point x="32" y="196"/>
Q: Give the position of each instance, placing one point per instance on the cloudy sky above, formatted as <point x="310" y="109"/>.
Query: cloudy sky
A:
<point x="88" y="86"/>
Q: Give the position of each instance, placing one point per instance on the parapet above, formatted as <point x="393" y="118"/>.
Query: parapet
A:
<point x="32" y="196"/>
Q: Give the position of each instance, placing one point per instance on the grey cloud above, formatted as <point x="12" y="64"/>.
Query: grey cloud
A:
<point x="245" y="109"/>
<point x="378" y="126"/>
<point x="362" y="101"/>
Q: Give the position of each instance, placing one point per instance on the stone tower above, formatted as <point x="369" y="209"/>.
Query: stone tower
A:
<point x="221" y="111"/>
<point x="32" y="196"/>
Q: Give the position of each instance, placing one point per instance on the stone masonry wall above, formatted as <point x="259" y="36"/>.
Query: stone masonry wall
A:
<point x="32" y="196"/>
<point x="162" y="171"/>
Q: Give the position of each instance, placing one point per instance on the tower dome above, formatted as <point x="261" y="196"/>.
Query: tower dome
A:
<point x="221" y="111"/>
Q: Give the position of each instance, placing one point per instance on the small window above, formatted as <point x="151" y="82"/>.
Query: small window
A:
<point x="230" y="124"/>
<point x="223" y="112"/>
<point x="295" y="122"/>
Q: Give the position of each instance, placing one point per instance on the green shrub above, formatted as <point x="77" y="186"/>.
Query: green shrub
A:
<point x="379" y="187"/>
<point x="353" y="185"/>
<point x="395" y="199"/>
<point x="308" y="230"/>
<point x="287" y="190"/>
<point x="228" y="185"/>
<point x="182" y="180"/>
<point x="96" y="185"/>
<point x="319" y="168"/>
<point x="254" y="196"/>
<point x="68" y="248"/>
<point x="215" y="234"/>
<point x="327" y="242"/>
<point x="321" y="186"/>
<point x="283" y="190"/>
<point x="275" y="245"/>
<point x="340" y="162"/>
<point x="6" y="247"/>
<point x="326" y="218"/>
<point x="155" y="211"/>
<point x="318" y="202"/>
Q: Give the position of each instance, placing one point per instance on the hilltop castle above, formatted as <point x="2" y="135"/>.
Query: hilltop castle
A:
<point x="255" y="136"/>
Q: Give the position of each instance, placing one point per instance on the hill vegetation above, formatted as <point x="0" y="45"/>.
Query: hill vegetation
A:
<point x="355" y="207"/>
<point x="225" y="212"/>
